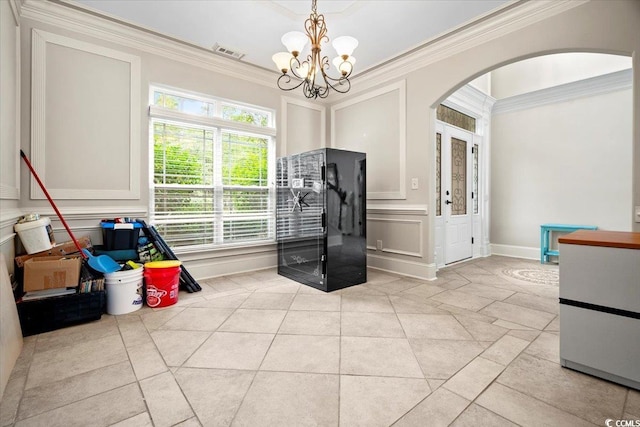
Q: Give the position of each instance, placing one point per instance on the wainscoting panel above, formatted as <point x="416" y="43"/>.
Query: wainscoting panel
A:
<point x="85" y="106"/>
<point x="10" y="106"/>
<point x="396" y="236"/>
<point x="230" y="261"/>
<point x="375" y="123"/>
<point x="303" y="126"/>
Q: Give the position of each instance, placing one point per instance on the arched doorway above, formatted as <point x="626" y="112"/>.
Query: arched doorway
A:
<point x="552" y="114"/>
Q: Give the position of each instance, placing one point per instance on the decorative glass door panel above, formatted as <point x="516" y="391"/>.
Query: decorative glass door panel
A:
<point x="458" y="177"/>
<point x="299" y="215"/>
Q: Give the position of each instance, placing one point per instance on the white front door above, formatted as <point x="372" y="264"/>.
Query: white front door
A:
<point x="456" y="187"/>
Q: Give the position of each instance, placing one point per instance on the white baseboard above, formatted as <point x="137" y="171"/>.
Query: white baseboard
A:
<point x="207" y="268"/>
<point x="403" y="267"/>
<point x="515" y="251"/>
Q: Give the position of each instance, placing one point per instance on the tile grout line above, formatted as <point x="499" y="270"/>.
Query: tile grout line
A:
<point x="195" y="413"/>
<point x="419" y="365"/>
<point x="26" y="379"/>
<point x="137" y="381"/>
<point x="255" y="373"/>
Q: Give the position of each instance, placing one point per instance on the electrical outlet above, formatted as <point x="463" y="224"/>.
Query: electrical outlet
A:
<point x="414" y="183"/>
<point x="637" y="216"/>
<point x="379" y="245"/>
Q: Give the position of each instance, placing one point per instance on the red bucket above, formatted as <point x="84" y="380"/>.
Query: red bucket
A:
<point x="162" y="280"/>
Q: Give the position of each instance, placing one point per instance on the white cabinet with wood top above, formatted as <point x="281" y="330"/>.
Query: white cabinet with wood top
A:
<point x="600" y="304"/>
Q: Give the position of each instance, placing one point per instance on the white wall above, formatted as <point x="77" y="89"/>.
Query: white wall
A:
<point x="482" y="83"/>
<point x="302" y="126"/>
<point x="9" y="124"/>
<point x="568" y="162"/>
<point x="92" y="175"/>
<point x="10" y="333"/>
<point x="552" y="70"/>
<point x="432" y="77"/>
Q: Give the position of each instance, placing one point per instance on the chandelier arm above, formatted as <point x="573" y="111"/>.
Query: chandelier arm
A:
<point x="285" y="80"/>
<point x="293" y="68"/>
<point x="337" y="86"/>
<point x="342" y="80"/>
<point x="292" y="62"/>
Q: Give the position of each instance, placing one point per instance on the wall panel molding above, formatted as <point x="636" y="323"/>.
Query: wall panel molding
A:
<point x="415" y="230"/>
<point x="9" y="217"/>
<point x="10" y="185"/>
<point x="40" y="103"/>
<point x="16" y="6"/>
<point x="222" y="262"/>
<point x="599" y="85"/>
<point x="285" y="102"/>
<point x="374" y="208"/>
<point x="400" y="142"/>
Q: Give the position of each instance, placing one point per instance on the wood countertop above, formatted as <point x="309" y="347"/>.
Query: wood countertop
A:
<point x="610" y="239"/>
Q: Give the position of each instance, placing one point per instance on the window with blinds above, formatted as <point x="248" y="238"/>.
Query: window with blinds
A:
<point x="213" y="171"/>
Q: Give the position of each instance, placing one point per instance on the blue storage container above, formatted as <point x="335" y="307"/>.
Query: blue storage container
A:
<point x="120" y="236"/>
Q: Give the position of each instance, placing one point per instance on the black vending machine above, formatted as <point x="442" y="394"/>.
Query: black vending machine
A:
<point x="321" y="218"/>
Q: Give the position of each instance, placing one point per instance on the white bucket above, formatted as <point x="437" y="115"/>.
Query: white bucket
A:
<point x="36" y="236"/>
<point x="124" y="291"/>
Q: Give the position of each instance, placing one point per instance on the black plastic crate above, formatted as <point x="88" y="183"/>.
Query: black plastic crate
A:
<point x="115" y="238"/>
<point x="52" y="313"/>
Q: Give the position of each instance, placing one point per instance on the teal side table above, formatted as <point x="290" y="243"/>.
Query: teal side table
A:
<point x="545" y="237"/>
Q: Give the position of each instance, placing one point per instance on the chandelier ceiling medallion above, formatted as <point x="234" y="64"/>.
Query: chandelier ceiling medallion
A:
<point x="311" y="73"/>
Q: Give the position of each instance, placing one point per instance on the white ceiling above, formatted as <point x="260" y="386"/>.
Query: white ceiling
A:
<point x="384" y="29"/>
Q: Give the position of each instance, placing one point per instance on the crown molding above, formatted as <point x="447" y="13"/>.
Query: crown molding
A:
<point x="599" y="85"/>
<point x="16" y="6"/>
<point x="65" y="14"/>
<point x="470" y="101"/>
<point x="519" y="14"/>
<point x="505" y="21"/>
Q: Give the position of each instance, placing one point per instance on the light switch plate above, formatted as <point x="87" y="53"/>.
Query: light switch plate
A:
<point x="414" y="183"/>
<point x="637" y="216"/>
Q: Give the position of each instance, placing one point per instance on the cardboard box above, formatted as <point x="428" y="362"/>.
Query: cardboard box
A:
<point x="51" y="272"/>
<point x="63" y="249"/>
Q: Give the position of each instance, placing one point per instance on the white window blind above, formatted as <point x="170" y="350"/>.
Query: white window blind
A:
<point x="213" y="174"/>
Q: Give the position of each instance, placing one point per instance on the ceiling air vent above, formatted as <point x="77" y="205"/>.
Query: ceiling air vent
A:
<point x="224" y="51"/>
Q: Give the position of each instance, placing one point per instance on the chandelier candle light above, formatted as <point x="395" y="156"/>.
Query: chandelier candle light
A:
<point x="307" y="73"/>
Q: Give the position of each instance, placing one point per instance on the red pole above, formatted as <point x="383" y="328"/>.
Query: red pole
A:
<point x="55" y="208"/>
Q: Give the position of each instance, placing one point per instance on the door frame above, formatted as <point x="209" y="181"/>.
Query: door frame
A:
<point x="475" y="103"/>
<point x="462" y="248"/>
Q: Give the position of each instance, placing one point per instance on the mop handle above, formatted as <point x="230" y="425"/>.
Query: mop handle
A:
<point x="55" y="208"/>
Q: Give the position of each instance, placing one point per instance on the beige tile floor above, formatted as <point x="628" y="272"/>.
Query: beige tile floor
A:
<point x="475" y="347"/>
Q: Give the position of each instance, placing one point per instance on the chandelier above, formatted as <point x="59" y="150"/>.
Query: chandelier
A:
<point x="311" y="73"/>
